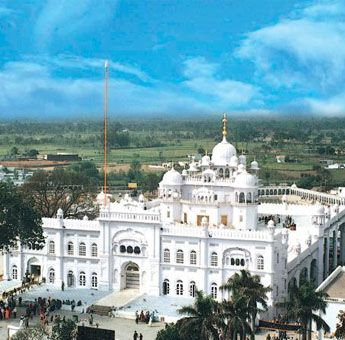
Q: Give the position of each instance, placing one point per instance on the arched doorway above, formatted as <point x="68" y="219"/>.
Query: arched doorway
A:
<point x="132" y="276"/>
<point x="70" y="279"/>
<point x="33" y="268"/>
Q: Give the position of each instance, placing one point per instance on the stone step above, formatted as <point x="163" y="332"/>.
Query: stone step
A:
<point x="100" y="310"/>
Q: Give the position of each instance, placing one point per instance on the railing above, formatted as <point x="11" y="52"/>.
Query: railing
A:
<point x="304" y="193"/>
<point x="184" y="230"/>
<point x="128" y="216"/>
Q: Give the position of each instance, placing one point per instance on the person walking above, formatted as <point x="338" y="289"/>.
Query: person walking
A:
<point x="135" y="335"/>
<point x="62" y="286"/>
<point x="140" y="336"/>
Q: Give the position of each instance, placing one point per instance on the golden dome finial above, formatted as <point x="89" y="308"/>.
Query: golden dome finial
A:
<point x="225" y="128"/>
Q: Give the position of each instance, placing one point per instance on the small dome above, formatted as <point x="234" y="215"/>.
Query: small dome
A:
<point x="59" y="213"/>
<point x="172" y="177"/>
<point x="242" y="159"/>
<point x="245" y="180"/>
<point x="222" y="153"/>
<point x="254" y="165"/>
<point x="141" y="198"/>
<point x="205" y="160"/>
<point x="85" y="218"/>
<point x="192" y="167"/>
<point x="293" y="186"/>
<point x="184" y="172"/>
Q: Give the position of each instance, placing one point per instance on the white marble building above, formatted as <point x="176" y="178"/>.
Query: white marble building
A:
<point x="206" y="224"/>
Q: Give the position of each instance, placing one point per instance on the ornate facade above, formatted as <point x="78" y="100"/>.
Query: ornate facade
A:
<point x="206" y="224"/>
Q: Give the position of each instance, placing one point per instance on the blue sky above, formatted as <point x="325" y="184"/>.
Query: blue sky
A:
<point x="171" y="57"/>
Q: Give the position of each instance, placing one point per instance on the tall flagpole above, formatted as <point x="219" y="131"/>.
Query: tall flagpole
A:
<point x="105" y="165"/>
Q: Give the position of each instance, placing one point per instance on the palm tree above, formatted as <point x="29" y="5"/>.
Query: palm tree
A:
<point x="233" y="317"/>
<point x="201" y="322"/>
<point x="303" y="303"/>
<point x="247" y="286"/>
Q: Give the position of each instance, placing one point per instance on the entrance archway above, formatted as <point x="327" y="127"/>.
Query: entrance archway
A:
<point x="70" y="279"/>
<point x="33" y="268"/>
<point x="132" y="276"/>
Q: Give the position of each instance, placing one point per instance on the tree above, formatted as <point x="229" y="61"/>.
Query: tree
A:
<point x="233" y="316"/>
<point x="170" y="332"/>
<point x="64" y="330"/>
<point x="202" y="320"/>
<point x="65" y="189"/>
<point x="18" y="220"/>
<point x="304" y="302"/>
<point x="150" y="181"/>
<point x="134" y="172"/>
<point x="247" y="286"/>
<point x="340" y="328"/>
<point x="32" y="333"/>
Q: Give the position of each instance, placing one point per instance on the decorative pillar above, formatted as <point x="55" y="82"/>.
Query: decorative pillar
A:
<point x="335" y="248"/>
<point x="326" y="268"/>
<point x="342" y="245"/>
<point x="6" y="265"/>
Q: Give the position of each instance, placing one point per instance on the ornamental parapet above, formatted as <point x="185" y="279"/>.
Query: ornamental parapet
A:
<point x="221" y="233"/>
<point x="130" y="216"/>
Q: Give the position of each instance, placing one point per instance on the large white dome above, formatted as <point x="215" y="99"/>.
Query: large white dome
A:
<point x="245" y="180"/>
<point x="172" y="177"/>
<point x="222" y="153"/>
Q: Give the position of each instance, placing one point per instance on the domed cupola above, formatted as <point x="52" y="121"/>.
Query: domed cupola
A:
<point x="223" y="151"/>
<point x="245" y="180"/>
<point x="254" y="165"/>
<point x="242" y="159"/>
<point x="172" y="177"/>
<point x="205" y="160"/>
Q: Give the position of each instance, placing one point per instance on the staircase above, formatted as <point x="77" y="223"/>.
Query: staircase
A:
<point x="100" y="310"/>
<point x="114" y="300"/>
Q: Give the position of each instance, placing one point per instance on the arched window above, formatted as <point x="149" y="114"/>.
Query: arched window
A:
<point x="220" y="172"/>
<point x="179" y="287"/>
<point x="129" y="249"/>
<point x="51" y="275"/>
<point x="179" y="256"/>
<point x="242" y="199"/>
<point x="94" y="280"/>
<point x="166" y="256"/>
<point x="94" y="250"/>
<point x="122" y="249"/>
<point x="70" y="248"/>
<point x="82" y="279"/>
<point x="82" y="249"/>
<point x="14" y="272"/>
<point x="193" y="257"/>
<point x="227" y="174"/>
<point x="166" y="287"/>
<point x="214" y="290"/>
<point x="192" y="288"/>
<point x="249" y="197"/>
<point x="260" y="265"/>
<point x="214" y="259"/>
<point x="51" y="248"/>
<point x="137" y="250"/>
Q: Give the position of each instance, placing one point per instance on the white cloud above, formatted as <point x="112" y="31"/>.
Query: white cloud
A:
<point x="304" y="53"/>
<point x="202" y="77"/>
<point x="67" y="19"/>
<point x="75" y="62"/>
<point x="43" y="95"/>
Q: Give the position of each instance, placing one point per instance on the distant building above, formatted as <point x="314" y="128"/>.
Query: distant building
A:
<point x="62" y="157"/>
<point x="280" y="159"/>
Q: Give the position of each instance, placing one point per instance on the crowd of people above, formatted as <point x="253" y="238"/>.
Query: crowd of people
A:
<point x="146" y="317"/>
